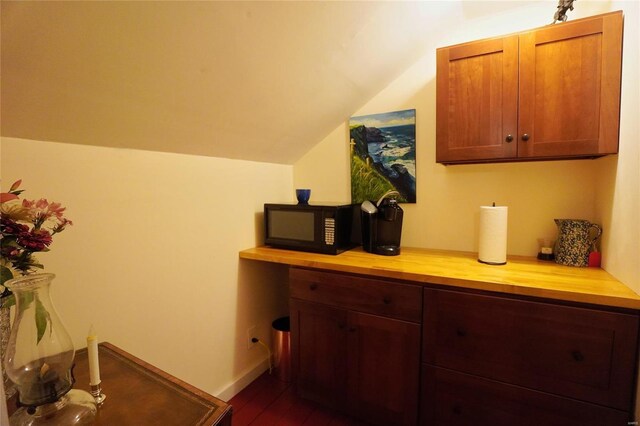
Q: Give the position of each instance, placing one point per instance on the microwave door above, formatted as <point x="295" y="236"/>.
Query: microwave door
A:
<point x="292" y="225"/>
<point x="294" y="228"/>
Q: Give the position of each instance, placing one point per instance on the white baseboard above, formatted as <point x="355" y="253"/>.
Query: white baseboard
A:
<point x="245" y="378"/>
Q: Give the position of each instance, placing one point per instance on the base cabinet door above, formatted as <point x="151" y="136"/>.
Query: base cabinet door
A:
<point x="383" y="369"/>
<point x="452" y="398"/>
<point x="364" y="365"/>
<point x="319" y="352"/>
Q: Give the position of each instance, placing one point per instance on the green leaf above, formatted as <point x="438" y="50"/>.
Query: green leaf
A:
<point x="27" y="298"/>
<point x="7" y="301"/>
<point x="9" y="242"/>
<point x="42" y="318"/>
<point x="5" y="274"/>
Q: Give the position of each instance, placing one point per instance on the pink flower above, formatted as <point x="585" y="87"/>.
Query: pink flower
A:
<point x="9" y="252"/>
<point x="61" y="225"/>
<point x="27" y="227"/>
<point x="36" y="240"/>
<point x="56" y="210"/>
<point x="11" y="228"/>
<point x="43" y="210"/>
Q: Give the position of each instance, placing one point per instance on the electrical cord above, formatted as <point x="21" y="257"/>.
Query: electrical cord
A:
<point x="256" y="340"/>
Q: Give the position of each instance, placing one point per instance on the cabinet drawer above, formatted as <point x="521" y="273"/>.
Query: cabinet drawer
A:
<point x="401" y="301"/>
<point x="576" y="352"/>
<point x="452" y="398"/>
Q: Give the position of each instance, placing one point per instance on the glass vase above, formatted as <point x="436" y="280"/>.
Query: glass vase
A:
<point x="5" y="333"/>
<point x="39" y="359"/>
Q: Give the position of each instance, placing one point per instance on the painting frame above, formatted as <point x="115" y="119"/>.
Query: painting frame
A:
<point x="383" y="155"/>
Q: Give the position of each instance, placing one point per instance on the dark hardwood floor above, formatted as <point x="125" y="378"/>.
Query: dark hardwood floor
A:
<point x="268" y="401"/>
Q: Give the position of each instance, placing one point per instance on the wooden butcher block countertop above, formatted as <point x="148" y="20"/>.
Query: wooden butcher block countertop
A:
<point x="520" y="276"/>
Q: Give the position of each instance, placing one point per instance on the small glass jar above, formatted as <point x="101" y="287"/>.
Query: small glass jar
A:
<point x="545" y="249"/>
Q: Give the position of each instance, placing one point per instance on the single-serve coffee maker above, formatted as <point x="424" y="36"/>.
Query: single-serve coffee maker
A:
<point x="382" y="225"/>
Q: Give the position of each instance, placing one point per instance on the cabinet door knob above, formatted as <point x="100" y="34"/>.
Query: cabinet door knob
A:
<point x="456" y="409"/>
<point x="577" y="356"/>
<point x="509" y="138"/>
<point x="352" y="329"/>
<point x="313" y="286"/>
<point x="461" y="332"/>
<point x="525" y="137"/>
<point x="386" y="300"/>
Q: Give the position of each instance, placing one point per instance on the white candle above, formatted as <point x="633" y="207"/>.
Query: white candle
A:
<point x="92" y="353"/>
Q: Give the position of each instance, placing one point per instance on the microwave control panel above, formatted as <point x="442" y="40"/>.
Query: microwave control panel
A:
<point x="329" y="231"/>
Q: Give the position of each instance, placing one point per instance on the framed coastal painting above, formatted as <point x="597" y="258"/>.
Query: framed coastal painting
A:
<point x="383" y="155"/>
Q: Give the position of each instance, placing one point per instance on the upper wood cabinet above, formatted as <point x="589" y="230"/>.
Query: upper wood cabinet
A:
<point x="549" y="93"/>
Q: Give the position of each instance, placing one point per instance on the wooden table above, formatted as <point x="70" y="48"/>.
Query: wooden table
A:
<point x="140" y="394"/>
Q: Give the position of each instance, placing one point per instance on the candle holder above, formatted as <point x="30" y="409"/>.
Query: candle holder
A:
<point x="96" y="392"/>
<point x="75" y="408"/>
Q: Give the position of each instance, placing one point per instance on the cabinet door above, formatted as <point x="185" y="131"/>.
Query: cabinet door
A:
<point x="319" y="352"/>
<point x="477" y="101"/>
<point x="384" y="369"/>
<point x="570" y="88"/>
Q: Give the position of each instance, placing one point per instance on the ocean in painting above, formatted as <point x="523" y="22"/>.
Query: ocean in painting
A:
<point x="397" y="147"/>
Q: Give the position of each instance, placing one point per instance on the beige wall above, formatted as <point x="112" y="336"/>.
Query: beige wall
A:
<point x="152" y="258"/>
<point x="618" y="182"/>
<point x="448" y="197"/>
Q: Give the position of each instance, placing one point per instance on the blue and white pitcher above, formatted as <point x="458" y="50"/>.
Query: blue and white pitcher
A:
<point x="574" y="241"/>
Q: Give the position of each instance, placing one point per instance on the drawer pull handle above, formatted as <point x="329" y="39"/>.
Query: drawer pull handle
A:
<point x="461" y="332"/>
<point x="577" y="356"/>
<point x="313" y="286"/>
<point x="386" y="300"/>
<point x="352" y="329"/>
<point x="341" y="326"/>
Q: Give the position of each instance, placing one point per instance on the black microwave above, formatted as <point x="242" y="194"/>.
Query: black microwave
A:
<point x="329" y="229"/>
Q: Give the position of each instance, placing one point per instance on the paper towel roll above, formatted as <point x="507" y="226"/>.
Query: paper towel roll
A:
<point x="493" y="235"/>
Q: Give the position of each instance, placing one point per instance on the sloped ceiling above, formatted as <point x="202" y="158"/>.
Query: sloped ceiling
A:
<point x="262" y="81"/>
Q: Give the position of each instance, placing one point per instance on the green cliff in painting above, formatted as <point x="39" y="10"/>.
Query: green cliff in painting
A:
<point x="366" y="181"/>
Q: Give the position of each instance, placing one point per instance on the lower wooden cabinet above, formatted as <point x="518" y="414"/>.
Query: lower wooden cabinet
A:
<point x="509" y="361"/>
<point x="396" y="353"/>
<point x="363" y="364"/>
<point x="451" y="398"/>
